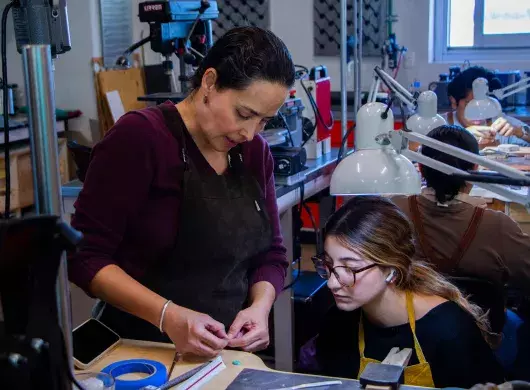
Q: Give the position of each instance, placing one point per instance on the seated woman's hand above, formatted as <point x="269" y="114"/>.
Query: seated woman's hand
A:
<point x="194" y="333"/>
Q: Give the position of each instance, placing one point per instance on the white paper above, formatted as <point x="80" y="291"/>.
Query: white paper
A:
<point x="115" y="105"/>
<point x="203" y="376"/>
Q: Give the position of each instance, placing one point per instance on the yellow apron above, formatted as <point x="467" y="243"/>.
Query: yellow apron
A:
<point x="415" y="375"/>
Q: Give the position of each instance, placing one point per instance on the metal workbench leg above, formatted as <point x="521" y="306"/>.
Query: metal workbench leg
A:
<point x="284" y="308"/>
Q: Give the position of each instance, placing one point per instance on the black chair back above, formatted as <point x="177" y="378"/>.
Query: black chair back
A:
<point x="489" y="296"/>
<point x="81" y="156"/>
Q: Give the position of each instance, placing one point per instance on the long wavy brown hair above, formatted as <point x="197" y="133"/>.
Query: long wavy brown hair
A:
<point x="378" y="231"/>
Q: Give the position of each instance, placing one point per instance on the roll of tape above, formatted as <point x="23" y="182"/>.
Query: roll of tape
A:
<point x="156" y="371"/>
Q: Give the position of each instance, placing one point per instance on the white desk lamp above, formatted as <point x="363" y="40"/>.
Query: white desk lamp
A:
<point x="374" y="168"/>
<point x="381" y="163"/>
<point x="426" y="117"/>
<point x="484" y="107"/>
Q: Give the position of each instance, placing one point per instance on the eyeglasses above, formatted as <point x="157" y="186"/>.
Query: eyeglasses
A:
<point x="344" y="274"/>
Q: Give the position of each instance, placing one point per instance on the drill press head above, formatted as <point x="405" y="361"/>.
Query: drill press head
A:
<point x="172" y="23"/>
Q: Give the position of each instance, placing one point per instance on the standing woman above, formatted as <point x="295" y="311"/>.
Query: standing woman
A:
<point x="178" y="210"/>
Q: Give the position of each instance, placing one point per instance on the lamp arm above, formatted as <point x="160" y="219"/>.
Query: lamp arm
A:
<point x="464" y="155"/>
<point x="400" y="91"/>
<point x="372" y="96"/>
<point x="449" y="170"/>
<point x="509" y="90"/>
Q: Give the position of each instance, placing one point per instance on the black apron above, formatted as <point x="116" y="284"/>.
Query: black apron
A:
<point x="223" y="226"/>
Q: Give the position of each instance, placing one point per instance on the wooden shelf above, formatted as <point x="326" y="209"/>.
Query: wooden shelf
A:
<point x="22" y="176"/>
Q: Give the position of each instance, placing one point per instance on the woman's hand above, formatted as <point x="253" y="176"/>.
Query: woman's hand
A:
<point x="505" y="128"/>
<point x="194" y="333"/>
<point x="250" y="330"/>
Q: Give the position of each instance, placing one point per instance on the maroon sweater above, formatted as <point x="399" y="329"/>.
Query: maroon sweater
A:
<point x="129" y="204"/>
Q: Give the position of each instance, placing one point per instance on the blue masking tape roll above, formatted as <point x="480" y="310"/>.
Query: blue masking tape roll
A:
<point x="156" y="371"/>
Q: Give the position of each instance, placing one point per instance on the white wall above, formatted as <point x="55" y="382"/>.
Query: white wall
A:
<point x="74" y="83"/>
<point x="292" y="20"/>
<point x="74" y="80"/>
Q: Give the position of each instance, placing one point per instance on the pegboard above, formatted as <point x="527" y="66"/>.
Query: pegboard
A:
<point x="327" y="26"/>
<point x="116" y="28"/>
<point x="237" y="13"/>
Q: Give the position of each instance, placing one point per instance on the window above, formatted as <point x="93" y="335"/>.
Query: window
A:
<point x="481" y="30"/>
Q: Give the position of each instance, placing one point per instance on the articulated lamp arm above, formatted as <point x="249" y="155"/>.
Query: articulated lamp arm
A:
<point x="397" y="139"/>
<point x="398" y="90"/>
<point x="511" y="89"/>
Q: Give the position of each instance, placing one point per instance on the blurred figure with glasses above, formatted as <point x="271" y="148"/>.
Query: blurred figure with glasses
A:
<point x="386" y="300"/>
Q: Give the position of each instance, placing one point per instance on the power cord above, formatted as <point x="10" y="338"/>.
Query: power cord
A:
<point x="7" y="162"/>
<point x="287" y="127"/>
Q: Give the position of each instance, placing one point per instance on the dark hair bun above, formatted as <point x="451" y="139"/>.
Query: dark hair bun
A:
<point x="494" y="83"/>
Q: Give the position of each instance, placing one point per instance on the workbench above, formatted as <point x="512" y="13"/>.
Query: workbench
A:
<point x="496" y="202"/>
<point x="519" y="112"/>
<point x="315" y="179"/>
<point x="19" y="133"/>
<point x="267" y="378"/>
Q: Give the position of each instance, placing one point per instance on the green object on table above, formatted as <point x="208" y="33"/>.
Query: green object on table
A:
<point x="236" y="363"/>
<point x="59" y="113"/>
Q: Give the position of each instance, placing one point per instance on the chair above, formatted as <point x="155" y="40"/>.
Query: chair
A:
<point x="489" y="296"/>
<point x="81" y="156"/>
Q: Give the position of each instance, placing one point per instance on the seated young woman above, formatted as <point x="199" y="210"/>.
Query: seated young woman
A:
<point x="453" y="233"/>
<point x="384" y="299"/>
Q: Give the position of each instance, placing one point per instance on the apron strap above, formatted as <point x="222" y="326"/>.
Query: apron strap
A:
<point x="468" y="237"/>
<point x="418" y="225"/>
<point x="443" y="263"/>
<point x="412" y="323"/>
<point x="360" y="336"/>
<point x="175" y="125"/>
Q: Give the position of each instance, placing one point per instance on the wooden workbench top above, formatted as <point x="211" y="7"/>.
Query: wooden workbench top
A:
<point x="164" y="353"/>
<point x="251" y="379"/>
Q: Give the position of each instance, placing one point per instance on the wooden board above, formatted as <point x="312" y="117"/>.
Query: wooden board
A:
<point x="22" y="176"/>
<point x="129" y="83"/>
<point x="164" y="353"/>
<point x="249" y="373"/>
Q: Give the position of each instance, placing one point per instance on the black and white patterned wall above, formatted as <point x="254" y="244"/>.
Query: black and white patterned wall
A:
<point x="327" y="26"/>
<point x="235" y="13"/>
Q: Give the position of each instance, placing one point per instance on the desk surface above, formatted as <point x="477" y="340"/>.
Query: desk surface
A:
<point x="164" y="353"/>
<point x="520" y="112"/>
<point x="21" y="134"/>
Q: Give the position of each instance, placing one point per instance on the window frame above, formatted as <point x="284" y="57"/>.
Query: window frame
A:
<point x="487" y="48"/>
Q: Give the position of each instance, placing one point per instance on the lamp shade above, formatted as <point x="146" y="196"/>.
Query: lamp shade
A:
<point x="375" y="171"/>
<point x="426" y="117"/>
<point x="482" y="106"/>
<point x="374" y="168"/>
